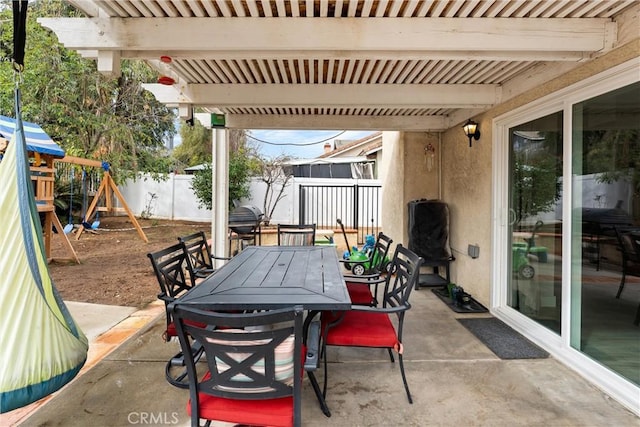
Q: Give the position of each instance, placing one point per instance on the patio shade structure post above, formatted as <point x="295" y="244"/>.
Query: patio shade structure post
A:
<point x="220" y="197"/>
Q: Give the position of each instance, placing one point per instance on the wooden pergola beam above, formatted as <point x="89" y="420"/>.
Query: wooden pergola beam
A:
<point x="80" y="161"/>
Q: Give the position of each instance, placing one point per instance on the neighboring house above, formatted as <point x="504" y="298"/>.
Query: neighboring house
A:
<point x="356" y="159"/>
<point x="368" y="150"/>
<point x="193" y="169"/>
<point x="340" y="167"/>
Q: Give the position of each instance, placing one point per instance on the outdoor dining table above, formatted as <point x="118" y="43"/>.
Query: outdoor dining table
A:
<point x="272" y="277"/>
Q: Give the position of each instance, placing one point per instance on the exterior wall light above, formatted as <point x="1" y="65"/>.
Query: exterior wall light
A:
<point x="471" y="130"/>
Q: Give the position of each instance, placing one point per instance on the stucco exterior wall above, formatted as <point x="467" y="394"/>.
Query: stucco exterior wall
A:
<point x="406" y="177"/>
<point x="419" y="182"/>
<point x="466" y="175"/>
<point x="466" y="188"/>
<point x="392" y="176"/>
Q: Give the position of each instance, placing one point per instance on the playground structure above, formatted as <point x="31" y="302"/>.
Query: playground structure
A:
<point x="42" y="178"/>
<point x="43" y="153"/>
<point x="104" y="197"/>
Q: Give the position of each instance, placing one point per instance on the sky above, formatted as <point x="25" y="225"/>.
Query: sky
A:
<point x="299" y="143"/>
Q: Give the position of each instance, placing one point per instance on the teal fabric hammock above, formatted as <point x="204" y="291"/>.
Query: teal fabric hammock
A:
<point x="41" y="347"/>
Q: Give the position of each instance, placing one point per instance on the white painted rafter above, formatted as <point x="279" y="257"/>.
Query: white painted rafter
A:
<point x="329" y="34"/>
<point x="505" y="55"/>
<point x="332" y="95"/>
<point x="332" y="119"/>
<point x="264" y="62"/>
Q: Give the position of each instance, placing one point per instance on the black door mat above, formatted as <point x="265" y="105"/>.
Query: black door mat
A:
<point x="503" y="340"/>
<point x="473" y="306"/>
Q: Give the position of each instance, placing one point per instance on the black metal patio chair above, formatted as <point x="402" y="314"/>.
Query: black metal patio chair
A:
<point x="359" y="285"/>
<point x="169" y="266"/>
<point x="254" y="365"/>
<point x="199" y="260"/>
<point x="296" y="234"/>
<point x="372" y="327"/>
<point x="629" y="242"/>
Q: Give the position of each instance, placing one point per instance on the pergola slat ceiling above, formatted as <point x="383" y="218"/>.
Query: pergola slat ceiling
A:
<point x="379" y="64"/>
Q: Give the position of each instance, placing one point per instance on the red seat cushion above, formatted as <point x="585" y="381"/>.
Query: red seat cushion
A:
<point x="271" y="412"/>
<point x="359" y="293"/>
<point x="172" y="332"/>
<point x="363" y="329"/>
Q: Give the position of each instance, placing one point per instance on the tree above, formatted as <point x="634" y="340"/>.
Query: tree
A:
<point x="195" y="148"/>
<point x="202" y="186"/>
<point x="87" y="113"/>
<point x="536" y="187"/>
<point x="277" y="177"/>
<point x="536" y="168"/>
<point x="239" y="175"/>
<point x="614" y="155"/>
<point x="241" y="167"/>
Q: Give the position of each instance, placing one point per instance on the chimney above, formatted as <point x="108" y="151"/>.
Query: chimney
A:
<point x="327" y="147"/>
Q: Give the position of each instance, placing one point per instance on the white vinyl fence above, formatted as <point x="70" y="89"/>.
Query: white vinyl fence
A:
<point x="174" y="199"/>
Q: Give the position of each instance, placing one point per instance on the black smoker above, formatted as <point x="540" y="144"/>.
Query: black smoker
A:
<point x="429" y="238"/>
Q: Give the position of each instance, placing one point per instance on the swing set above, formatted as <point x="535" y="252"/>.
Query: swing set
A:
<point x="102" y="200"/>
<point x="42" y="172"/>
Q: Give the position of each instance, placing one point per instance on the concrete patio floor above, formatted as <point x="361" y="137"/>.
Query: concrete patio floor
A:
<point x="455" y="381"/>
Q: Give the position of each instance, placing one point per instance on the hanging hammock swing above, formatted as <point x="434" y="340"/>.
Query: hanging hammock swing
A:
<point x="41" y="347"/>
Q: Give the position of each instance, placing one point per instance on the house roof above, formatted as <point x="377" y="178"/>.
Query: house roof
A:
<point x="422" y="65"/>
<point x="367" y="144"/>
<point x="323" y="161"/>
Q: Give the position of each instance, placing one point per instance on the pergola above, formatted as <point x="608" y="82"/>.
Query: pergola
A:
<point x="410" y="65"/>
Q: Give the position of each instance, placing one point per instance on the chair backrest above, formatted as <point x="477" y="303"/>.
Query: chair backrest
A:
<point x="379" y="254"/>
<point x="404" y="273"/>
<point x="629" y="245"/>
<point x="198" y="255"/>
<point x="169" y="267"/>
<point x="250" y="356"/>
<point x="296" y="234"/>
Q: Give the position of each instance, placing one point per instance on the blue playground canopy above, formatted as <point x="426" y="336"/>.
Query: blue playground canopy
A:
<point x="36" y="138"/>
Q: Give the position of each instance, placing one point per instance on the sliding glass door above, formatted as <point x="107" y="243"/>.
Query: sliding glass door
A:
<point x="535" y="219"/>
<point x="567" y="226"/>
<point x="605" y="233"/>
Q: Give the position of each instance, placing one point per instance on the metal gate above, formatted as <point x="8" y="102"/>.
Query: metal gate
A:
<point x="358" y="206"/>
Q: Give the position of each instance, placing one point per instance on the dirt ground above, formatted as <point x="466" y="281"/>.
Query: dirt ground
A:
<point x="114" y="268"/>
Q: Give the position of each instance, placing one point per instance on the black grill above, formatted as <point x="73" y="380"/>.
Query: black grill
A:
<point x="245" y="219"/>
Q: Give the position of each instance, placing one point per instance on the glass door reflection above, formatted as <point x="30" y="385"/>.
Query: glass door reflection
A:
<point x="535" y="229"/>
